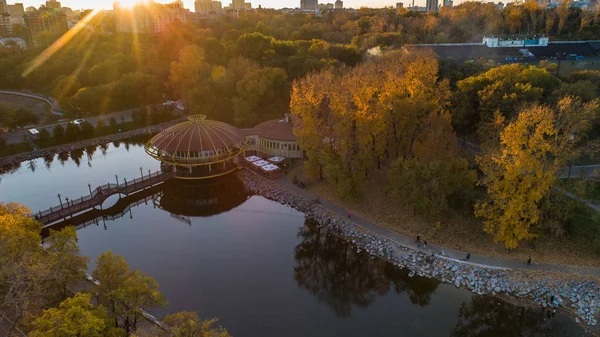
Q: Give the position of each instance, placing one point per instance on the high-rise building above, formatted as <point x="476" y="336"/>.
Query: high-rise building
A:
<point x="401" y="4"/>
<point x="217" y="6"/>
<point x="309" y="5"/>
<point x="52" y="4"/>
<point x="238" y="5"/>
<point x="5" y="24"/>
<point x="448" y="3"/>
<point x="44" y="21"/>
<point x="149" y="17"/>
<point x="16" y="12"/>
<point x="339" y="4"/>
<point x="431" y="5"/>
<point x="203" y="6"/>
<point x="247" y="5"/>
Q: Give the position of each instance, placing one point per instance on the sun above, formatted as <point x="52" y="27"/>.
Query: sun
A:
<point x="129" y="3"/>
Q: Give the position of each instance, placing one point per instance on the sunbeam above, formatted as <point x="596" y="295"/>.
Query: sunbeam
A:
<point x="58" y="44"/>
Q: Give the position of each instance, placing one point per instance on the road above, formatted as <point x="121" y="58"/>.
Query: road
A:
<point x="18" y="136"/>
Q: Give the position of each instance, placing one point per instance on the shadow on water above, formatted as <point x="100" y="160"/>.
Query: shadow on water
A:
<point x="490" y="316"/>
<point x="182" y="199"/>
<point x="331" y="269"/>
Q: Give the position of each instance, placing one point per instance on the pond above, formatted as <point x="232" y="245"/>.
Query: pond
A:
<point x="257" y="265"/>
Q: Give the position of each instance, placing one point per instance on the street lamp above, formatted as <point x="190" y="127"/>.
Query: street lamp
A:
<point x="59" y="199"/>
<point x="142" y="173"/>
<point x="117" y="179"/>
<point x="90" y="188"/>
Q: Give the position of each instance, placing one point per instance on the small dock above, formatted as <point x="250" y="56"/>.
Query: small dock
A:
<point x="98" y="195"/>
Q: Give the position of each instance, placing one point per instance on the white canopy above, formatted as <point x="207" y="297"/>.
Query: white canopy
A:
<point x="276" y="159"/>
<point x="252" y="158"/>
<point x="261" y="163"/>
<point x="270" y="167"/>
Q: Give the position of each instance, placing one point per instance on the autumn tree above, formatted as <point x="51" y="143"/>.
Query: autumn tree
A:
<point x="522" y="171"/>
<point x="23" y="269"/>
<point x="75" y="317"/>
<point x="67" y="265"/>
<point x="190" y="69"/>
<point x="126" y="293"/>
<point x="186" y="324"/>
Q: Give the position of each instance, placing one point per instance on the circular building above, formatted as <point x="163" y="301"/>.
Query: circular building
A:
<point x="198" y="148"/>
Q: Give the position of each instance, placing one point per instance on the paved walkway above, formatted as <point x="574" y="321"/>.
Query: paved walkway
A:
<point x="406" y="241"/>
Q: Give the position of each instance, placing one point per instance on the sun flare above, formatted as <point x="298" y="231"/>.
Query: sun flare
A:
<point x="129" y="3"/>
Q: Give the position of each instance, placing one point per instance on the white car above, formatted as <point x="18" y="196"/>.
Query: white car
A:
<point x="78" y="121"/>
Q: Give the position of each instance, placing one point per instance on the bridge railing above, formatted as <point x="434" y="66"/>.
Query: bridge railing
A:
<point x="70" y="206"/>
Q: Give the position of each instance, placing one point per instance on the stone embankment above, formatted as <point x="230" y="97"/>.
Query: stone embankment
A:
<point x="17" y="158"/>
<point x="576" y="295"/>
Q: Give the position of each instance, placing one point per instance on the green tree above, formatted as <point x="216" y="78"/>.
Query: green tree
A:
<point x="75" y="317"/>
<point x="126" y="293"/>
<point x="87" y="129"/>
<point x="58" y="133"/>
<point x="72" y="132"/>
<point x="190" y="69"/>
<point x="261" y="95"/>
<point x="67" y="265"/>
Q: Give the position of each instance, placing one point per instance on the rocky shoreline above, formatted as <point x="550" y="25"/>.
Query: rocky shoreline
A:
<point x="578" y="296"/>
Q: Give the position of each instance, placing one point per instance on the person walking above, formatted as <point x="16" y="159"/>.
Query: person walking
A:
<point x="425" y="244"/>
<point x="349" y="215"/>
<point x="418" y="238"/>
<point x="443" y="252"/>
<point x="468" y="256"/>
<point x="529" y="261"/>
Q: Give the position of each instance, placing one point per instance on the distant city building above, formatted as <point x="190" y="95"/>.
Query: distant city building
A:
<point x="203" y="6"/>
<point x="3" y="6"/>
<point x="52" y="4"/>
<point x="247" y="5"/>
<point x="217" y="7"/>
<point x="339" y="4"/>
<point x="5" y="24"/>
<point x="30" y="9"/>
<point x="44" y="21"/>
<point x="16" y="12"/>
<point x="325" y="6"/>
<point x="149" y="17"/>
<point x="432" y="5"/>
<point x="448" y="3"/>
<point x="238" y="5"/>
<point x="399" y="5"/>
<point x="309" y="5"/>
<point x="500" y="5"/>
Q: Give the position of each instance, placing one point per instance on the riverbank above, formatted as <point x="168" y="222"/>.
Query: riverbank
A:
<point x="577" y="295"/>
<point x="17" y="158"/>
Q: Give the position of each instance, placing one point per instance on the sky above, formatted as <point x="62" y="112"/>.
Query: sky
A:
<point x="107" y="4"/>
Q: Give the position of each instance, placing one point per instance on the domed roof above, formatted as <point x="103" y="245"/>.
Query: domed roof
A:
<point x="196" y="138"/>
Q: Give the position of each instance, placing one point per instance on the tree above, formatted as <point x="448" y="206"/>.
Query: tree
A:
<point x="112" y="122"/>
<point x="523" y="170"/>
<point x="66" y="263"/>
<point x="44" y="135"/>
<point x="75" y="317"/>
<point x="100" y="124"/>
<point x="189" y="70"/>
<point x="58" y="133"/>
<point x="2" y="142"/>
<point x="261" y="95"/>
<point x="23" y="117"/>
<point x="431" y="187"/>
<point x="87" y="129"/>
<point x="126" y="293"/>
<point x="73" y="132"/>
<point x="24" y="268"/>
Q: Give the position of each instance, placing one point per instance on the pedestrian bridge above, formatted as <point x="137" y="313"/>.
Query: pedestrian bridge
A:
<point x="97" y="197"/>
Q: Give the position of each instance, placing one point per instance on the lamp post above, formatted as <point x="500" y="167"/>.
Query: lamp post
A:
<point x="67" y="199"/>
<point x="142" y="173"/>
<point x="90" y="188"/>
<point x="117" y="179"/>
<point x="60" y="200"/>
<point x="125" y="180"/>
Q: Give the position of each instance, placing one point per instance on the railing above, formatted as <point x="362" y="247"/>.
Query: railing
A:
<point x="99" y="194"/>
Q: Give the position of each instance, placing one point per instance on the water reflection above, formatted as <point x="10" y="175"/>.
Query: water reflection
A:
<point x="489" y="316"/>
<point x="202" y="198"/>
<point x="332" y="270"/>
<point x="182" y="199"/>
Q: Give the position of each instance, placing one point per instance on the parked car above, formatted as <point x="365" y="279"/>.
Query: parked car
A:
<point x="78" y="121"/>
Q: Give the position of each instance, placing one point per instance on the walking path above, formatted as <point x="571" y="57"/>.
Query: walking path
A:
<point x="454" y="254"/>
